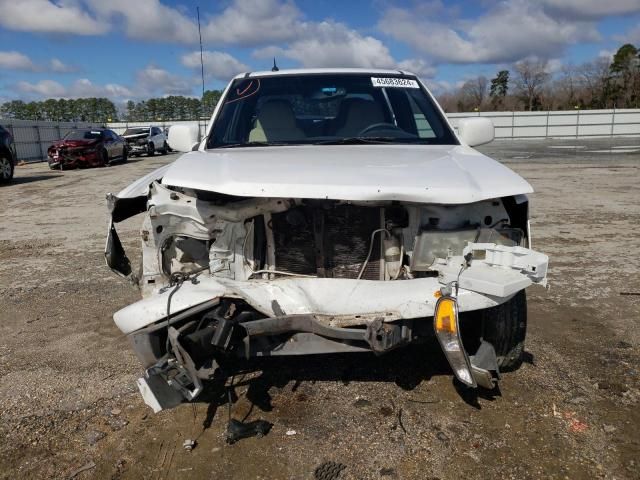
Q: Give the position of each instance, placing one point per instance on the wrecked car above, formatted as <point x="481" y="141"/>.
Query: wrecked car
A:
<point x="93" y="147"/>
<point x="145" y="140"/>
<point x="325" y="211"/>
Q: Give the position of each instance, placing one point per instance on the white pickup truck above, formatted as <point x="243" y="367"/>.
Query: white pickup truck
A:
<point x="331" y="210"/>
<point x="145" y="140"/>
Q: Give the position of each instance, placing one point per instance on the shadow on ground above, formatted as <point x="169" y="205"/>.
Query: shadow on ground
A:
<point x="30" y="179"/>
<point x="406" y="367"/>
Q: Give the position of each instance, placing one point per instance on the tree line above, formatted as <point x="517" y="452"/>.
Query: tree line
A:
<point x="175" y="107"/>
<point x="99" y="110"/>
<point x="103" y="110"/>
<point x="601" y="83"/>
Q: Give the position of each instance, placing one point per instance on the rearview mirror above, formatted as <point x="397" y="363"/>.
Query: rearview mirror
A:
<point x="475" y="131"/>
<point x="183" y="138"/>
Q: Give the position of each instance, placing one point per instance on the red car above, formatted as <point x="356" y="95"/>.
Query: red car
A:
<point x="87" y="148"/>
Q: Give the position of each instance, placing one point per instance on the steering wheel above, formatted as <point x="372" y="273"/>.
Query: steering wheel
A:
<point x="377" y="126"/>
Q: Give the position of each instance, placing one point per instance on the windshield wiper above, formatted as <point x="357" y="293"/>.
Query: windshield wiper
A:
<point x="357" y="140"/>
<point x="252" y="144"/>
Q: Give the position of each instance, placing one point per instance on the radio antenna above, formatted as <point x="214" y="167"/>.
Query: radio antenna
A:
<point x="201" y="56"/>
<point x="201" y="71"/>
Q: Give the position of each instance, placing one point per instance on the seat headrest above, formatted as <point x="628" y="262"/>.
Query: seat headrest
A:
<point x="277" y="112"/>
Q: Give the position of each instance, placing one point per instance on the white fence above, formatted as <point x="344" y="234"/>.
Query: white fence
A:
<point x="32" y="138"/>
<point x="560" y="124"/>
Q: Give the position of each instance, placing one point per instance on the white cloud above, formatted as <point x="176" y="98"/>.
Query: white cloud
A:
<point x="154" y="80"/>
<point x="57" y="66"/>
<point x="44" y="88"/>
<point x="507" y="32"/>
<point x="330" y="44"/>
<point x="148" y="20"/>
<point x="418" y="66"/>
<point x="630" y="36"/>
<point x="438" y="87"/>
<point x="254" y="22"/>
<point x="591" y="8"/>
<point x="607" y="54"/>
<point x="16" y="61"/>
<point x="44" y="16"/>
<point x="81" y="88"/>
<point x="554" y="65"/>
<point x="217" y="65"/>
<point x="12" y="60"/>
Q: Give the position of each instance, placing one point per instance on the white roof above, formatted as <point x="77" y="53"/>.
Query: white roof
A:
<point x="307" y="71"/>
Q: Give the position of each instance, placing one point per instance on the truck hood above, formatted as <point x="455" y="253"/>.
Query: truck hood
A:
<point x="451" y="174"/>
<point x="135" y="136"/>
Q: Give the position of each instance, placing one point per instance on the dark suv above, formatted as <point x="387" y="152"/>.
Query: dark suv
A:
<point x="7" y="155"/>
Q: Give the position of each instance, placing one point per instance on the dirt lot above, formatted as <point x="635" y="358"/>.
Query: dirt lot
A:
<point x="67" y="376"/>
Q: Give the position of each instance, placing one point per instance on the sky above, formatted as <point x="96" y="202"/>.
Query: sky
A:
<point x="136" y="49"/>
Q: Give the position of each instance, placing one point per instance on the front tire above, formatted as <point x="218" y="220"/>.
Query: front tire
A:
<point x="505" y="327"/>
<point x="150" y="149"/>
<point x="6" y="169"/>
<point x="104" y="155"/>
<point x="124" y="155"/>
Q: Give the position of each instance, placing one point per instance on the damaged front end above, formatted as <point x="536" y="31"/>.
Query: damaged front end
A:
<point x="226" y="276"/>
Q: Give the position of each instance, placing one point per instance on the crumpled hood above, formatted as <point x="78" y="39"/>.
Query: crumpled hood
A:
<point x="135" y="136"/>
<point x="451" y="174"/>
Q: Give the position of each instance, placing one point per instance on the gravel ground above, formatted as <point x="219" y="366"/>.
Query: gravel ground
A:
<point x="69" y="405"/>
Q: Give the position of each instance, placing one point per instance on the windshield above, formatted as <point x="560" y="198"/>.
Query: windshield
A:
<point x="328" y="109"/>
<point x="83" y="135"/>
<point x="136" y="131"/>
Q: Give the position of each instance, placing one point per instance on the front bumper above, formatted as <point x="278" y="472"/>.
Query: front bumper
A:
<point x="72" y="160"/>
<point x="336" y="302"/>
<point x="171" y="380"/>
<point x="136" y="148"/>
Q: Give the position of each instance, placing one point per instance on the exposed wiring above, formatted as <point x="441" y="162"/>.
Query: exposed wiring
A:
<point x="467" y="263"/>
<point x="502" y="220"/>
<point x="244" y="246"/>
<point x="278" y="272"/>
<point x="176" y="280"/>
<point x="401" y="261"/>
<point x="373" y="234"/>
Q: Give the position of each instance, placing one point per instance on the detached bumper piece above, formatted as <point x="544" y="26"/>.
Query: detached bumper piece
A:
<point x="176" y="378"/>
<point x="472" y="371"/>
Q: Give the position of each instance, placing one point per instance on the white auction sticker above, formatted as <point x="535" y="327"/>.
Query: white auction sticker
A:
<point x="394" y="82"/>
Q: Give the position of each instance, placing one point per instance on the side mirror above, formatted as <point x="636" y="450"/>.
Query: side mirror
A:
<point x="183" y="138"/>
<point x="475" y="130"/>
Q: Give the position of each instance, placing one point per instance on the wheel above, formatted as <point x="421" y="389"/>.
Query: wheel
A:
<point x="505" y="327"/>
<point x="6" y="169"/>
<point x="150" y="149"/>
<point x="165" y="148"/>
<point x="104" y="156"/>
<point x="124" y="155"/>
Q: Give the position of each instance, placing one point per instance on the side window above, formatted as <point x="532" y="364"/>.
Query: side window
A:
<point x="422" y="124"/>
<point x="155" y="131"/>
